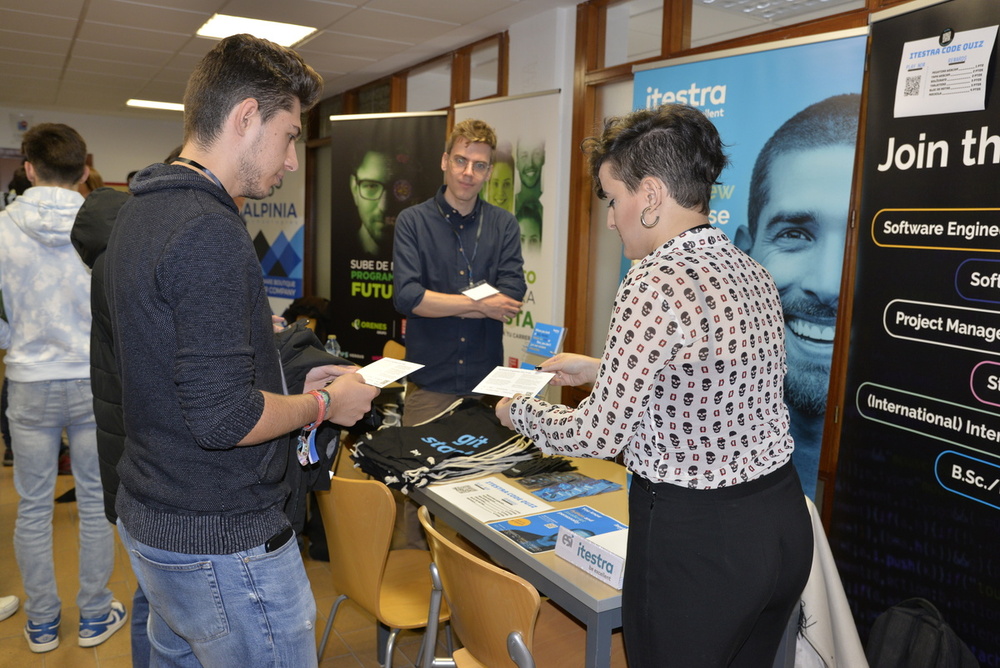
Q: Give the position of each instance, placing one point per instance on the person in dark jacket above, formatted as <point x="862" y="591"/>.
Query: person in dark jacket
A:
<point x="299" y="353"/>
<point x="203" y="476"/>
<point x="90" y="238"/>
<point x="89" y="235"/>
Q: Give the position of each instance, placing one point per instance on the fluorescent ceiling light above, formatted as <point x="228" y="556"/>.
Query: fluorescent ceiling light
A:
<point x="286" y="34"/>
<point x="150" y="104"/>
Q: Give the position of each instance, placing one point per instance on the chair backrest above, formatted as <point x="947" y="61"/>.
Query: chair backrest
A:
<point x="487" y="603"/>
<point x="394" y="350"/>
<point x="358" y="516"/>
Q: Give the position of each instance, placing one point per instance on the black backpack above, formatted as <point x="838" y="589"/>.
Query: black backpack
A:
<point x="912" y="634"/>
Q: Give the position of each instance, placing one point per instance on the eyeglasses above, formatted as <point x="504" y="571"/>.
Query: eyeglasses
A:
<point x="460" y="163"/>
<point x="369" y="189"/>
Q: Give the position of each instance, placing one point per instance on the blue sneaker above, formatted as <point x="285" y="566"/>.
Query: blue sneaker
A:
<point x="96" y="630"/>
<point x="42" y="637"/>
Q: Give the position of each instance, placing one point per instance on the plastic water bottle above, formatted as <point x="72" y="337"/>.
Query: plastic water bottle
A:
<point x="332" y="345"/>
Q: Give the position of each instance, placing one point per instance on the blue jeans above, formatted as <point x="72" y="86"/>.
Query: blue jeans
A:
<point x="38" y="412"/>
<point x="248" y="609"/>
<point x="140" y="637"/>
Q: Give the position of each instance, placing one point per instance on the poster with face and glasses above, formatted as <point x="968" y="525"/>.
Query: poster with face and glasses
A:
<point x="382" y="164"/>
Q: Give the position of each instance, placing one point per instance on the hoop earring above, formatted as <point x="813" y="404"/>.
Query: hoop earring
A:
<point x="642" y="219"/>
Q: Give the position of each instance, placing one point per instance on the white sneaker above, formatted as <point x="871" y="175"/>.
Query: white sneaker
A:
<point x="8" y="606"/>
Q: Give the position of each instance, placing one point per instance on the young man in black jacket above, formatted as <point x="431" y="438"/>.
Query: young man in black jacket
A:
<point x="200" y="504"/>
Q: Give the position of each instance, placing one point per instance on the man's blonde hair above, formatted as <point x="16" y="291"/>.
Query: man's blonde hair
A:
<point x="473" y="130"/>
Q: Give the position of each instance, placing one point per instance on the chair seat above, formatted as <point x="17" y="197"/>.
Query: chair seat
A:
<point x="394" y="586"/>
<point x="463" y="659"/>
<point x="406" y="590"/>
<point x="489" y="604"/>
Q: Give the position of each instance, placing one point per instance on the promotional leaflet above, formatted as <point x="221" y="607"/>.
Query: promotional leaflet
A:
<point x="506" y="382"/>
<point x="489" y="499"/>
<point x="538" y="533"/>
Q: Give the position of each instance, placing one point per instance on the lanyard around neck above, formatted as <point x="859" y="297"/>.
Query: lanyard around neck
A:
<point x="461" y="245"/>
<point x="205" y="170"/>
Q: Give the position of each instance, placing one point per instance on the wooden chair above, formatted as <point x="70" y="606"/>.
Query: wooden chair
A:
<point x="499" y="616"/>
<point x="394" y="350"/>
<point x="392" y="585"/>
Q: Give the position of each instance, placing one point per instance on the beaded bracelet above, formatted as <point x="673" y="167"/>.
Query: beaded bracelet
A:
<point x="323" y="403"/>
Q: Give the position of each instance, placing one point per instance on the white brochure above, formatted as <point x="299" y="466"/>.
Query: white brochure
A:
<point x="386" y="370"/>
<point x="506" y="381"/>
<point x="489" y="499"/>
<point x="481" y="291"/>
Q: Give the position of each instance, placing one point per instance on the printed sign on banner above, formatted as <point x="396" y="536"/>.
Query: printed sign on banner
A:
<point x="944" y="74"/>
<point x="276" y="225"/>
<point x="788" y="116"/>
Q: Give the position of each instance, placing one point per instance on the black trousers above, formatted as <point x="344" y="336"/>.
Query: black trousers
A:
<point x="712" y="576"/>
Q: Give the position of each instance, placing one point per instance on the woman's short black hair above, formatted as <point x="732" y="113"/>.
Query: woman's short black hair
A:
<point x="674" y="142"/>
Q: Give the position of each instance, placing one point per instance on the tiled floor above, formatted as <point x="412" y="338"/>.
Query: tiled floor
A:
<point x="352" y="643"/>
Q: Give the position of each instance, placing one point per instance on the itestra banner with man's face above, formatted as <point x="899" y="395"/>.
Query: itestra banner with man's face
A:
<point x="788" y="115"/>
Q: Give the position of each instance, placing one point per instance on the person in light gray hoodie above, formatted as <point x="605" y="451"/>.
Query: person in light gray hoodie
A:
<point x="46" y="289"/>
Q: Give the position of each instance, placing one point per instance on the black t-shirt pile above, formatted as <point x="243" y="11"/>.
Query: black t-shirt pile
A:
<point x="464" y="442"/>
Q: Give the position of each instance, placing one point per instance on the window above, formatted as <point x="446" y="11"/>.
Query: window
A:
<point x="633" y="31"/>
<point x="429" y="87"/>
<point x="375" y="99"/>
<point x="484" y="69"/>
<point x="331" y="106"/>
<point x="717" y="20"/>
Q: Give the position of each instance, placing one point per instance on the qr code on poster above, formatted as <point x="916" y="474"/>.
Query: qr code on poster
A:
<point x="465" y="489"/>
<point x="911" y="86"/>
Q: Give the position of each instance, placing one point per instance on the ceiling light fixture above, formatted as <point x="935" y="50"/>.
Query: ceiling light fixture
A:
<point x="151" y="104"/>
<point x="221" y="26"/>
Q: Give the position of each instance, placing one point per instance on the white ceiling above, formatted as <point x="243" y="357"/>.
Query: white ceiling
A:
<point x="92" y="55"/>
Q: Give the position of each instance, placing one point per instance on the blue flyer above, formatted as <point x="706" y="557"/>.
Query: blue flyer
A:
<point x="538" y="533"/>
<point x="546" y="340"/>
<point x="566" y="485"/>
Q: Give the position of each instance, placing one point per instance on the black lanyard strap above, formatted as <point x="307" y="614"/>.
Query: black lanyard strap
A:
<point x="203" y="169"/>
<point x="461" y="245"/>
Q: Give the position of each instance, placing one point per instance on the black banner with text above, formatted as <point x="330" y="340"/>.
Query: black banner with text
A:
<point x="381" y="165"/>
<point x="916" y="510"/>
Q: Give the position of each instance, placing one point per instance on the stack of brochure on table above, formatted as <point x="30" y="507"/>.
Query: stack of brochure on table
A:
<point x="583" y="536"/>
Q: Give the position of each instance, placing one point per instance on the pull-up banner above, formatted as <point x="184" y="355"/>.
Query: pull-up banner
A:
<point x="522" y="182"/>
<point x="788" y="114"/>
<point x="916" y="510"/>
<point x="382" y="163"/>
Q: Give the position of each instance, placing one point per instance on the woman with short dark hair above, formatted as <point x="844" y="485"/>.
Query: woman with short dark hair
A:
<point x="690" y="390"/>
